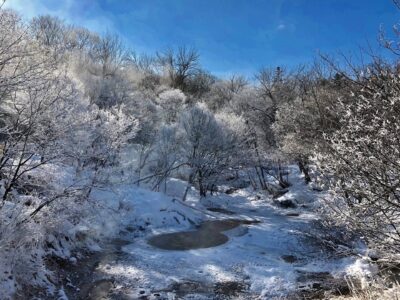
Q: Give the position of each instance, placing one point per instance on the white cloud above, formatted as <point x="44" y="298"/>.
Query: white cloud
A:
<point x="285" y="26"/>
<point x="68" y="10"/>
<point x="281" y="27"/>
<point x="32" y="8"/>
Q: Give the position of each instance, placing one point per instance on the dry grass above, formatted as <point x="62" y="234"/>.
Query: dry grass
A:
<point x="374" y="292"/>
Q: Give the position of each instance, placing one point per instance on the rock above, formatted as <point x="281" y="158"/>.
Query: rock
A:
<point x="231" y="190"/>
<point x="289" y="258"/>
<point x="230" y="288"/>
<point x="73" y="260"/>
<point x="130" y="228"/>
<point x="316" y="285"/>
<point x="182" y="289"/>
<point x="287" y="203"/>
<point x="373" y="255"/>
<point x="230" y="177"/>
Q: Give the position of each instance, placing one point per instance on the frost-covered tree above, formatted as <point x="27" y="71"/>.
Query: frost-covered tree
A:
<point x="79" y="39"/>
<point x="301" y="123"/>
<point x="362" y="161"/>
<point x="274" y="87"/>
<point x="180" y="66"/>
<point x="109" y="53"/>
<point x="199" y="85"/>
<point x="106" y="81"/>
<point x="31" y="88"/>
<point x="171" y="102"/>
<point x="222" y="92"/>
<point x="167" y="156"/>
<point x="148" y="115"/>
<point x="208" y="145"/>
<point x="48" y="128"/>
<point x="48" y="30"/>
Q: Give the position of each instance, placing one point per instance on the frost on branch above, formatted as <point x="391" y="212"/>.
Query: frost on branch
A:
<point x="363" y="160"/>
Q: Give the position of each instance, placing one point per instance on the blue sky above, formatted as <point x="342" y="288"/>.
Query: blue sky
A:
<point x="232" y="36"/>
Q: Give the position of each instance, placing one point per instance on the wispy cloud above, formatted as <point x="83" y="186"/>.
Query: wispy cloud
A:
<point x="71" y="11"/>
<point x="281" y="27"/>
<point x="285" y="26"/>
<point x="30" y="9"/>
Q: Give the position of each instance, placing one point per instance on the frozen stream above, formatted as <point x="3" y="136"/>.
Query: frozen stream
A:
<point x="244" y="247"/>
<point x="208" y="234"/>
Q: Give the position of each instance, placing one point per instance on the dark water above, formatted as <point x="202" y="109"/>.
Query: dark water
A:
<point x="208" y="234"/>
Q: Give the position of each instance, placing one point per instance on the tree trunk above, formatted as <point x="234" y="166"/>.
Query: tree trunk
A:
<point x="191" y="176"/>
<point x="305" y="170"/>
<point x="260" y="179"/>
<point x="202" y="188"/>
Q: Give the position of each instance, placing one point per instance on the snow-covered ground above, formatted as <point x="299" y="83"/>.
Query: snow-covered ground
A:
<point x="266" y="259"/>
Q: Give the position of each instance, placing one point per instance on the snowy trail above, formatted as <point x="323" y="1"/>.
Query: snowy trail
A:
<point x="261" y="260"/>
<point x="251" y="257"/>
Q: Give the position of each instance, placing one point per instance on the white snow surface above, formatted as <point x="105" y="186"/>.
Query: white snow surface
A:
<point x="253" y="254"/>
